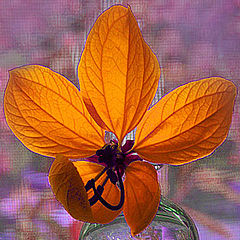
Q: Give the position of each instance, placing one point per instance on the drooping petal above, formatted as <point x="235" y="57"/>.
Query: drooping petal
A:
<point x="188" y="123"/>
<point x="118" y="72"/>
<point x="142" y="195"/>
<point x="46" y="112"/>
<point x="68" y="180"/>
<point x="69" y="189"/>
<point x="111" y="193"/>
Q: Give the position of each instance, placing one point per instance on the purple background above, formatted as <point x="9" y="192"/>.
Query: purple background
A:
<point x="192" y="40"/>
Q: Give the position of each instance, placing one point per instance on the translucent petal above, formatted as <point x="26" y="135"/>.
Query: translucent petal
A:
<point x="111" y="193"/>
<point x="68" y="180"/>
<point x="69" y="189"/>
<point x="188" y="123"/>
<point x="46" y="112"/>
<point x="142" y="195"/>
<point x="118" y="72"/>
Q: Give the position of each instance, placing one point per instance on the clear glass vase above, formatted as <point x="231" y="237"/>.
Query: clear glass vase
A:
<point x="171" y="222"/>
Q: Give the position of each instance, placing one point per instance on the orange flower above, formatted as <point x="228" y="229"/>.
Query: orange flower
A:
<point x="118" y="76"/>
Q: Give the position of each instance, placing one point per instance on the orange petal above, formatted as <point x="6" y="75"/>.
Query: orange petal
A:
<point x="118" y="72"/>
<point x="46" y="112"/>
<point x="188" y="123"/>
<point x="142" y="195"/>
<point x="68" y="180"/>
<point x="69" y="189"/>
<point x="111" y="193"/>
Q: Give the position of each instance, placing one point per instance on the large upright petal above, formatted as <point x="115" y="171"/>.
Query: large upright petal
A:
<point x="188" y="123"/>
<point x="118" y="72"/>
<point x="142" y="195"/>
<point x="46" y="112"/>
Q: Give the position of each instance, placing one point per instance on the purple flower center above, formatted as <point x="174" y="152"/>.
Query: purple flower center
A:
<point x="115" y="159"/>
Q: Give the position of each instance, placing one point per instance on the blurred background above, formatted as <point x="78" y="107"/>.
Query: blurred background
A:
<point x="192" y="40"/>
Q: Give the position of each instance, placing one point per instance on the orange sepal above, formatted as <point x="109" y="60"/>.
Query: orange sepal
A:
<point x="111" y="193"/>
<point x="142" y="195"/>
<point x="118" y="72"/>
<point x="69" y="189"/>
<point x="188" y="123"/>
<point x="46" y="112"/>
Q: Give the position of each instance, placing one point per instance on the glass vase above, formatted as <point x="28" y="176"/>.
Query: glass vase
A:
<point x="171" y="222"/>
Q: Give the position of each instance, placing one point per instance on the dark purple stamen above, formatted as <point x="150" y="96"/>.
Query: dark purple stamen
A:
<point x="112" y="176"/>
<point x="127" y="146"/>
<point x="99" y="190"/>
<point x="107" y="155"/>
<point x="115" y="160"/>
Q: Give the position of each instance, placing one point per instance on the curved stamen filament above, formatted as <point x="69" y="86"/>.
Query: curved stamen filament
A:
<point x="100" y="174"/>
<point x="98" y="192"/>
<point x="100" y="189"/>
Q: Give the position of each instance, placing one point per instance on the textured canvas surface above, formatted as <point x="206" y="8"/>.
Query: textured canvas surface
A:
<point x="192" y="40"/>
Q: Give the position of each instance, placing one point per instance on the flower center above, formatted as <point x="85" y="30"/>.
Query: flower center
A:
<point x="113" y="158"/>
<point x="111" y="155"/>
